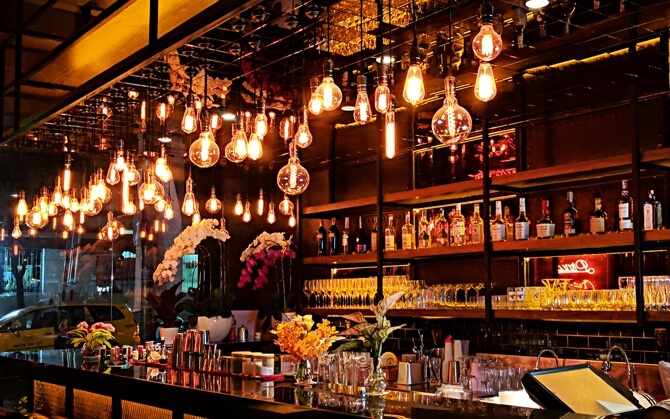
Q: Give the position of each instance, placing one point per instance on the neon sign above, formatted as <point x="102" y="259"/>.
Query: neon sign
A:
<point x="580" y="266"/>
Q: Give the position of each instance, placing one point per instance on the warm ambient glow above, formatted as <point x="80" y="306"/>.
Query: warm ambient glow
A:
<point x="213" y="204"/>
<point x="389" y="135"/>
<point x="246" y="215"/>
<point x="362" y="111"/>
<point x="451" y="123"/>
<point x="414" y="91"/>
<point x="58" y="192"/>
<point x="291" y="220"/>
<point x="159" y="205"/>
<point x="260" y="205"/>
<point x="536" y="4"/>
<point x="487" y="44"/>
<point x="382" y="96"/>
<point x="22" y="206"/>
<point x="293" y="178"/>
<point x="16" y="232"/>
<point x="315" y="104"/>
<point x="241" y="144"/>
<point x="68" y="220"/>
<point x="188" y="206"/>
<point x="286" y="206"/>
<point x="303" y="137"/>
<point x="329" y="93"/>
<point x="204" y="152"/>
<point x="239" y="208"/>
<point x="271" y="213"/>
<point x="67" y="176"/>
<point x="485" y="85"/>
<point x="196" y="219"/>
<point x="215" y="121"/>
<point x="189" y="121"/>
<point x="112" y="174"/>
<point x="162" y="169"/>
<point x="3" y="233"/>
<point x="261" y="124"/>
<point x="254" y="147"/>
<point x="169" y="211"/>
<point x="286" y="129"/>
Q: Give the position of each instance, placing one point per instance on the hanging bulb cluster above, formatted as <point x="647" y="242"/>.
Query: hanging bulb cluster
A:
<point x="486" y="45"/>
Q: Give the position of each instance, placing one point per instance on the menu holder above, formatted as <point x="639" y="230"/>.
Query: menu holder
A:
<point x="264" y="378"/>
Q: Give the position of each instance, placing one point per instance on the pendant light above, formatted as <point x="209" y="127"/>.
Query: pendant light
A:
<point x="230" y="151"/>
<point x="291" y="220"/>
<point x="329" y="93"/>
<point x="189" y="204"/>
<point x="293" y="178"/>
<point x="74" y="203"/>
<point x="246" y="215"/>
<point x="16" y="232"/>
<point x="204" y="152"/>
<point x="52" y="209"/>
<point x="414" y="90"/>
<point x="272" y="217"/>
<point x="58" y="192"/>
<point x="485" y="84"/>
<point x="120" y="162"/>
<point x="389" y="133"/>
<point x="239" y="208"/>
<point x="286" y="127"/>
<point x="44" y="199"/>
<point x="68" y="220"/>
<point x="383" y="93"/>
<point x="34" y="218"/>
<point x="286" y="206"/>
<point x="132" y="175"/>
<point x="487" y="44"/>
<point x="315" y="104"/>
<point x="65" y="203"/>
<point x="3" y="234"/>
<point x="260" y="204"/>
<point x="195" y="220"/>
<point x="261" y="120"/>
<point x="148" y="192"/>
<point x="213" y="205"/>
<point x="362" y="109"/>
<point x="451" y="123"/>
<point x="189" y="122"/>
<point x="254" y="146"/>
<point x="67" y="174"/>
<point x="303" y="137"/>
<point x="169" y="210"/>
<point x="22" y="206"/>
<point x="163" y="171"/>
<point x="111" y="229"/>
<point x="112" y="177"/>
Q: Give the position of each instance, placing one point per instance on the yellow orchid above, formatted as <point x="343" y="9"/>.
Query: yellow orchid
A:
<point x="297" y="338"/>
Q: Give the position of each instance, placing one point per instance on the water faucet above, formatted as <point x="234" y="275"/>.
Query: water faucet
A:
<point x="545" y="350"/>
<point x="630" y="369"/>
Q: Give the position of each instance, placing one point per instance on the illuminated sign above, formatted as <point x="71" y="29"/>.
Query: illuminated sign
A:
<point x="580" y="266"/>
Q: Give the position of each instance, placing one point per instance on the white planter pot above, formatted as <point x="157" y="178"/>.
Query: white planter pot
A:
<point x="167" y="334"/>
<point x="218" y="327"/>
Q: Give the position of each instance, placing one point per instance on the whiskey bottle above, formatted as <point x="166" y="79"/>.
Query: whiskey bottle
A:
<point x="498" y="230"/>
<point x="509" y="223"/>
<point x="321" y="235"/>
<point x="570" y="218"/>
<point x="441" y="229"/>
<point x="653" y="214"/>
<point x="334" y="238"/>
<point x="424" y="232"/>
<point x="361" y="238"/>
<point x="345" y="237"/>
<point x="373" y="236"/>
<point x="545" y="227"/>
<point x="521" y="224"/>
<point x="407" y="233"/>
<point x="389" y="235"/>
<point x="625" y="208"/>
<point x="597" y="218"/>
<point x="475" y="230"/>
<point x="457" y="228"/>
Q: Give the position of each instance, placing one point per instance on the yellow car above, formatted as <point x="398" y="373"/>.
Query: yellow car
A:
<point x="45" y="327"/>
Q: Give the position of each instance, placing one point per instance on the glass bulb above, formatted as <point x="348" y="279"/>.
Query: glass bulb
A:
<point x="260" y="205"/>
<point x="303" y="138"/>
<point x="80" y="229"/>
<point x="22" y="206"/>
<point x="94" y="208"/>
<point x="451" y="123"/>
<point x="487" y="44"/>
<point x="293" y="178"/>
<point x="231" y="155"/>
<point x="414" y="91"/>
<point x="195" y="220"/>
<point x="291" y="220"/>
<point x="132" y="175"/>
<point x="112" y="174"/>
<point x="44" y="204"/>
<point x="58" y="192"/>
<point x="239" y="208"/>
<point x="105" y="192"/>
<point x="485" y="85"/>
<point x="133" y="94"/>
<point x="204" y="152"/>
<point x="120" y="162"/>
<point x="255" y="147"/>
<point x="111" y="229"/>
<point x="286" y="128"/>
<point x="169" y="211"/>
<point x="330" y="94"/>
<point x="74" y="205"/>
<point x="68" y="220"/>
<point x="189" y="120"/>
<point x="389" y="134"/>
<point x="215" y="121"/>
<point x="16" y="232"/>
<point x="52" y="209"/>
<point x="261" y="124"/>
<point x="382" y="97"/>
<point x="129" y="208"/>
<point x="213" y="205"/>
<point x="241" y="146"/>
<point x="536" y="4"/>
<point x="159" y="205"/>
<point x="141" y="205"/>
<point x="362" y="109"/>
<point x="163" y="111"/>
<point x="32" y="232"/>
<point x="315" y="104"/>
<point x="3" y="234"/>
<point x="67" y="177"/>
<point x="286" y="206"/>
<point x="82" y="217"/>
<point x="246" y="215"/>
<point x="272" y="217"/>
<point x="65" y="203"/>
<point x="188" y="207"/>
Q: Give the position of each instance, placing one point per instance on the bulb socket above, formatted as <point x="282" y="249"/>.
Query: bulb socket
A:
<point x="362" y="82"/>
<point x="414" y="54"/>
<point x="192" y="71"/>
<point x="328" y="66"/>
<point x="486" y="12"/>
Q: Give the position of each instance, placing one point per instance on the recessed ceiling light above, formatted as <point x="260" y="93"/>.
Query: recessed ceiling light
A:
<point x="228" y="116"/>
<point x="536" y="4"/>
<point x="348" y="108"/>
<point x="165" y="139"/>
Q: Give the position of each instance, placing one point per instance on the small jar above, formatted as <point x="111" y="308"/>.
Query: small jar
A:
<point x="268" y="360"/>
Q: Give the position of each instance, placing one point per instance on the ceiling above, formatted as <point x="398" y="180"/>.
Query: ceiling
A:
<point x="77" y="54"/>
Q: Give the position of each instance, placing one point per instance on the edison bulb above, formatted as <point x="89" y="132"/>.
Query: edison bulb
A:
<point x="293" y="178"/>
<point x="215" y="121"/>
<point x="389" y="135"/>
<point x="129" y="208"/>
<point x="120" y="162"/>
<point x="231" y="155"/>
<point x="204" y="152"/>
<point x="188" y="207"/>
<point x="68" y="220"/>
<point x="272" y="217"/>
<point x="303" y="138"/>
<point x="291" y="220"/>
<point x="239" y="208"/>
<point x="286" y="206"/>
<point x="163" y="111"/>
<point x="362" y="110"/>
<point x="3" y="234"/>
<point x="485" y="85"/>
<point x="451" y="123"/>
<point x="159" y="205"/>
<point x="260" y="205"/>
<point x="329" y="93"/>
<point x="246" y="215"/>
<point x="65" y="202"/>
<point x="189" y="121"/>
<point x="58" y="192"/>
<point x="383" y="96"/>
<point x="315" y="104"/>
<point x="162" y="169"/>
<point x="94" y="208"/>
<point x="16" y="232"/>
<point x="80" y="229"/>
<point x="111" y="229"/>
<point x="112" y="174"/>
<point x="286" y="127"/>
<point x="487" y="44"/>
<point x="213" y="205"/>
<point x="261" y="124"/>
<point x="169" y="211"/>
<point x="241" y="145"/>
<point x="414" y="91"/>
<point x="195" y="220"/>
<point x="74" y="205"/>
<point x="255" y="147"/>
<point x="52" y="209"/>
<point x="67" y="177"/>
<point x="22" y="206"/>
<point x="132" y="175"/>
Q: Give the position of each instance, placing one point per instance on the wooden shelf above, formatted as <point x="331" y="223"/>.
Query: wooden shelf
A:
<point x="567" y="315"/>
<point x="656" y="235"/>
<point x="360" y="205"/>
<point x="434" y="252"/>
<point x="424" y="313"/>
<point x="657" y="316"/>
<point x="558" y="244"/>
<point x="434" y="194"/>
<point x="352" y="259"/>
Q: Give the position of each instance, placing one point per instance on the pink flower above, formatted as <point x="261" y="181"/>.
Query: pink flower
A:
<point x="82" y="325"/>
<point x="251" y="263"/>
<point x="101" y="325"/>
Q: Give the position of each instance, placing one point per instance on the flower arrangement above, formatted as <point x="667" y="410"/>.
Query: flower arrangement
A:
<point x="185" y="244"/>
<point x="91" y="337"/>
<point x="166" y="304"/>
<point x="298" y="338"/>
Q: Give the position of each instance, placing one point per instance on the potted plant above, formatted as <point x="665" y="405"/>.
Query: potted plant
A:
<point x="210" y="311"/>
<point x="166" y="308"/>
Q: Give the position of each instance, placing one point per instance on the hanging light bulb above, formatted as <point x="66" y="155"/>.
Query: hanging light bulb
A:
<point x="143" y="116"/>
<point x="487" y="44"/>
<point x="84" y="202"/>
<point x="44" y="199"/>
<point x="329" y="93"/>
<point x="52" y="209"/>
<point x="213" y="204"/>
<point x="80" y="229"/>
<point x="111" y="229"/>
<point x="112" y="177"/>
<point x="164" y="111"/>
<point x="230" y="149"/>
<point x="169" y="211"/>
<point x="148" y="189"/>
<point x="239" y="208"/>
<point x="315" y="103"/>
<point x="293" y="178"/>
<point x="196" y="216"/>
<point x="68" y="220"/>
<point x="272" y="217"/>
<point x="260" y="205"/>
<point x="383" y="94"/>
<point x="246" y="215"/>
<point x="103" y="192"/>
<point x="163" y="227"/>
<point x="414" y="91"/>
<point x="189" y="120"/>
<point x="204" y="152"/>
<point x="58" y="192"/>
<point x="65" y="203"/>
<point x="241" y="145"/>
<point x="215" y="121"/>
<point x="157" y="225"/>
<point x="3" y="234"/>
<point x="22" y="206"/>
<point x="34" y="218"/>
<point x="261" y="121"/>
<point x="189" y="205"/>
<point x="389" y="134"/>
<point x="16" y="232"/>
<point x="129" y="208"/>
<point x="255" y="146"/>
<point x="485" y="85"/>
<point x="74" y="204"/>
<point x="159" y="205"/>
<point x="362" y="111"/>
<point x="140" y="206"/>
<point x="82" y="217"/>
<point x="163" y="171"/>
<point x="451" y="123"/>
<point x="120" y="158"/>
<point x="32" y="232"/>
<point x="286" y="206"/>
<point x="132" y="175"/>
<point x="67" y="174"/>
<point x="291" y="220"/>
<point x="286" y="127"/>
<point x="133" y="94"/>
<point x="303" y="137"/>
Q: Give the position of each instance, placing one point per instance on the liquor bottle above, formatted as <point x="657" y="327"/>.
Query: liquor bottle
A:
<point x="321" y="235"/>
<point x="407" y="234"/>
<point x="334" y="238"/>
<point x="545" y="227"/>
<point x="345" y="237"/>
<point x="361" y="238"/>
<point x="625" y="208"/>
<point x="653" y="213"/>
<point x="498" y="229"/>
<point x="570" y="218"/>
<point x="441" y="229"/>
<point x="432" y="223"/>
<point x="424" y="232"/>
<point x="521" y="225"/>
<point x="598" y="218"/>
<point x="475" y="230"/>
<point x="509" y="223"/>
<point x="389" y="235"/>
<point x="373" y="236"/>
<point x="457" y="228"/>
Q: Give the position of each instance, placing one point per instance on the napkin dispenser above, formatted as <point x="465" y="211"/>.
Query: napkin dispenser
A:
<point x="409" y="373"/>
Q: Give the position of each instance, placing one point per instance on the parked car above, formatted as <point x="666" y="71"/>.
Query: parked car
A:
<point x="46" y="326"/>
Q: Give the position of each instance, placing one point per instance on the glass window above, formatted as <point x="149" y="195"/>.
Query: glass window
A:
<point x="102" y="313"/>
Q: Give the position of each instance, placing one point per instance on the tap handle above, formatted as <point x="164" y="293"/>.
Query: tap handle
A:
<point x="607" y="366"/>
